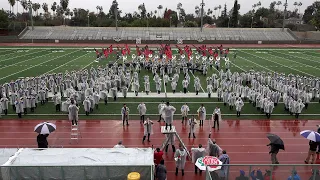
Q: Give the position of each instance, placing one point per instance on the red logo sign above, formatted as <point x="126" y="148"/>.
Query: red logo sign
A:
<point x="212" y="161"/>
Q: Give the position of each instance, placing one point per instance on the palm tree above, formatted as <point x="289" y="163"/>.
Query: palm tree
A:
<point x="278" y="4"/>
<point x="295" y="5"/>
<point x="209" y="12"/>
<point x="17" y="6"/>
<point x="12" y="3"/>
<point x="45" y="7"/>
<point x="299" y="5"/>
<point x="24" y="5"/>
<point x="179" y="6"/>
<point x="258" y="4"/>
<point x="215" y="11"/>
<point x="219" y="7"/>
<point x="54" y="7"/>
<point x="197" y="10"/>
<point x="160" y="7"/>
<point x="64" y="4"/>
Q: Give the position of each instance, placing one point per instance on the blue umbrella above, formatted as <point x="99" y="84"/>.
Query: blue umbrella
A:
<point x="311" y="135"/>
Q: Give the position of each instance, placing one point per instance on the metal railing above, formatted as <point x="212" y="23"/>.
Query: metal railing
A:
<point x="269" y="171"/>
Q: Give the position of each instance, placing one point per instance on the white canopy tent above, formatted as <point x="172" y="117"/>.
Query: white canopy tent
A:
<point x="80" y="164"/>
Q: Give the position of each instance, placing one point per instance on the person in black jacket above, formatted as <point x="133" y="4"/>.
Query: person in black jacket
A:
<point x="318" y="151"/>
<point x="312" y="152"/>
<point x="42" y="140"/>
<point x="274" y="150"/>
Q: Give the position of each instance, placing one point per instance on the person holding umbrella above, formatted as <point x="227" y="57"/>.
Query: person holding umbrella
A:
<point x="275" y="144"/>
<point x="42" y="140"/>
<point x="314" y="138"/>
<point x="44" y="129"/>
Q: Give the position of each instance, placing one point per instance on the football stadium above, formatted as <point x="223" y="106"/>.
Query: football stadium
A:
<point x="222" y="92"/>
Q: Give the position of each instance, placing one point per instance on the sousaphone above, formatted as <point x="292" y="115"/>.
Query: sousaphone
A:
<point x="183" y="56"/>
<point x="150" y="55"/>
<point x="211" y="58"/>
<point x="133" y="56"/>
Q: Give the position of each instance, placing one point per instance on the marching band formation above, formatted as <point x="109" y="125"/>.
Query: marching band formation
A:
<point x="88" y="87"/>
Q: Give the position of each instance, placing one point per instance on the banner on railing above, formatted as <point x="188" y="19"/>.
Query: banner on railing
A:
<point x="56" y="41"/>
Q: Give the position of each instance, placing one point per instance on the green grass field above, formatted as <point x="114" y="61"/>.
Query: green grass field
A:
<point x="31" y="61"/>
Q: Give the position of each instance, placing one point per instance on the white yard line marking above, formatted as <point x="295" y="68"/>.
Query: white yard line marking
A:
<point x="279" y="64"/>
<point x="256" y="64"/>
<point x="5" y="66"/>
<point x="296" y="61"/>
<point x="164" y="86"/>
<point x="194" y="77"/>
<point x="65" y="63"/>
<point x="21" y="56"/>
<point x="8" y="53"/>
<point x="37" y="65"/>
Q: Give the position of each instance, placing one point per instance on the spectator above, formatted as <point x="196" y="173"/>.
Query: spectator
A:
<point x="315" y="174"/>
<point x="161" y="171"/>
<point x="242" y="176"/>
<point x="157" y="156"/>
<point x="312" y="152"/>
<point x="42" y="140"/>
<point x="119" y="145"/>
<point x="318" y="151"/>
<point x="256" y="176"/>
<point x="294" y="176"/>
<point x="224" y="158"/>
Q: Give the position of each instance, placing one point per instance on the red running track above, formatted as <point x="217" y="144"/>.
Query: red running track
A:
<point x="245" y="141"/>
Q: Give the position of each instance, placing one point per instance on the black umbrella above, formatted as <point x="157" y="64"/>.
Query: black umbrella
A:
<point x="276" y="140"/>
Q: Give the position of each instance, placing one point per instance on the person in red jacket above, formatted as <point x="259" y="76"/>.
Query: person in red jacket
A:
<point x="157" y="156"/>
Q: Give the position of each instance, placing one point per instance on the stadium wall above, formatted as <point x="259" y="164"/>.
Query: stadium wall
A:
<point x="16" y="40"/>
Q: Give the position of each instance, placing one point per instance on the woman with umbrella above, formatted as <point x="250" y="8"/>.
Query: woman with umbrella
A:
<point x="314" y="138"/>
<point x="276" y="144"/>
<point x="44" y="129"/>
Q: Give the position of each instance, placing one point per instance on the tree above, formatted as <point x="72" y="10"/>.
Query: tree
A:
<point x="235" y="13"/>
<point x="45" y="7"/>
<point x="24" y="5"/>
<point x="12" y="3"/>
<point x="219" y="7"/>
<point x="160" y="7"/>
<point x="4" y="20"/>
<point x="142" y="10"/>
<point x="54" y="7"/>
<point x="312" y="14"/>
<point x="299" y="5"/>
<point x="272" y="6"/>
<point x="278" y="4"/>
<point x="197" y="11"/>
<point x="224" y="12"/>
<point x="112" y="10"/>
<point x="64" y="4"/>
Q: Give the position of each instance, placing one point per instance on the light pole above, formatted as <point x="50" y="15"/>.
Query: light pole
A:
<point x="251" y="21"/>
<point x="202" y="5"/>
<point x="30" y="12"/>
<point x="229" y="22"/>
<point x="88" y="21"/>
<point x="284" y="14"/>
<point x="115" y="3"/>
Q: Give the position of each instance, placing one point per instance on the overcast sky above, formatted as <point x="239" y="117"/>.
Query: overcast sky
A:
<point x="151" y="5"/>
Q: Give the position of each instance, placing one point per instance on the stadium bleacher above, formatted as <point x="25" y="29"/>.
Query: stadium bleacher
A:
<point x="105" y="33"/>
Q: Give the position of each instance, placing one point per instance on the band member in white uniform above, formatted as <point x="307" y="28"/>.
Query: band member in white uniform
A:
<point x="184" y="112"/>
<point x="142" y="111"/>
<point x="147" y="129"/>
<point x="202" y="114"/>
<point x="125" y="114"/>
<point x="192" y="124"/>
<point x="168" y="112"/>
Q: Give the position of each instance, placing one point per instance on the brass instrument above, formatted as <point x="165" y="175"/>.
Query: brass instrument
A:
<point x="133" y="56"/>
<point x="211" y="58"/>
<point x="183" y="56"/>
<point x="150" y="55"/>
